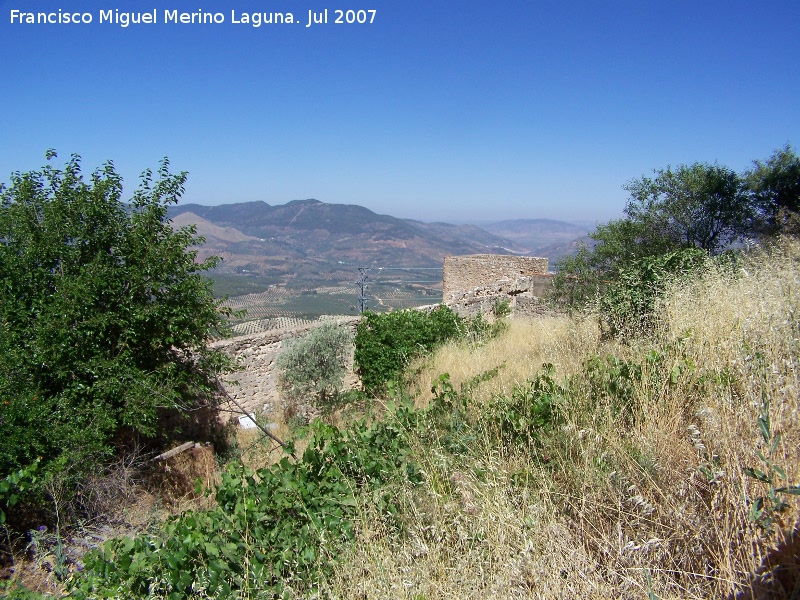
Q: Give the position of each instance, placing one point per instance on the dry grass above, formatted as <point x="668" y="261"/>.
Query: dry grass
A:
<point x="520" y="353"/>
<point x="618" y="501"/>
<point x="258" y="451"/>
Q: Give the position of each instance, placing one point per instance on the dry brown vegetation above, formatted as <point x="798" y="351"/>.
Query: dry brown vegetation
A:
<point x="638" y="489"/>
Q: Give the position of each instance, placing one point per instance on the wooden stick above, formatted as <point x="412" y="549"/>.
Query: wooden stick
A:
<point x="174" y="451"/>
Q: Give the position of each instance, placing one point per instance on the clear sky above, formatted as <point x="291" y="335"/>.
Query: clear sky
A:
<point x="452" y="111"/>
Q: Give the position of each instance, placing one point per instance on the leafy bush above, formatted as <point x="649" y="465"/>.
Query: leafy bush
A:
<point x="14" y="486"/>
<point x="104" y="314"/>
<point x="520" y="419"/>
<point x="314" y="365"/>
<point x="13" y="590"/>
<point x="386" y="343"/>
<point x="581" y="278"/>
<point x="613" y="381"/>
<point x="501" y="308"/>
<point x="627" y="306"/>
<point x="270" y="529"/>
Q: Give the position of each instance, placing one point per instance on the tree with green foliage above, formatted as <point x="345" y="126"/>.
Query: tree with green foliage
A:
<point x="314" y="365"/>
<point x="629" y="304"/>
<point x="693" y="206"/>
<point x="584" y="275"/>
<point x="698" y="206"/>
<point x="774" y="186"/>
<point x="105" y="314"/>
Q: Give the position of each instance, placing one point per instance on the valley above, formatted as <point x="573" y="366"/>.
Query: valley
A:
<point x="286" y="265"/>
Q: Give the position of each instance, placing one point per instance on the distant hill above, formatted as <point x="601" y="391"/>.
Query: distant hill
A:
<point x="542" y="237"/>
<point x="308" y="241"/>
<point x="210" y="231"/>
<point x="557" y="251"/>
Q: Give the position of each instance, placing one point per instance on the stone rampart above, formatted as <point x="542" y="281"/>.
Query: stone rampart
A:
<point x="475" y="284"/>
<point x="472" y="284"/>
<point x="523" y="296"/>
<point x="255" y="385"/>
<point x="463" y="273"/>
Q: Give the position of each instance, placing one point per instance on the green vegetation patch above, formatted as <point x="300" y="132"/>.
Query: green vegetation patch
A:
<point x="271" y="530"/>
<point x="313" y="366"/>
<point x="387" y="343"/>
<point x="104" y="315"/>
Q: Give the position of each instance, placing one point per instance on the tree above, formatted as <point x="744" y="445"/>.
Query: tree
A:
<point x="699" y="205"/>
<point x="584" y="276"/>
<point x="313" y="366"/>
<point x="627" y="306"/>
<point x="104" y="313"/>
<point x="774" y="186"/>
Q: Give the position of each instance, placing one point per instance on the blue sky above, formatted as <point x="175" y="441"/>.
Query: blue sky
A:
<point x="468" y="111"/>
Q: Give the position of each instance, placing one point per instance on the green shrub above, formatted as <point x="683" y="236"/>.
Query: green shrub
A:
<point x="520" y="419"/>
<point x="104" y="314"/>
<point x="613" y="381"/>
<point x="766" y="510"/>
<point x="501" y="308"/>
<point x="13" y="590"/>
<point x="386" y="343"/>
<point x="14" y="486"/>
<point x="313" y="366"/>
<point x="628" y="305"/>
<point x="276" y="528"/>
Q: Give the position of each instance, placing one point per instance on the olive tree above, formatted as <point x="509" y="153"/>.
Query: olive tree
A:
<point x="313" y="366"/>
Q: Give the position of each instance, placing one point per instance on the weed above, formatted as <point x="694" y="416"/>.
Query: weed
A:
<point x="531" y="409"/>
<point x="767" y="510"/>
<point x="48" y="549"/>
<point x="269" y="529"/>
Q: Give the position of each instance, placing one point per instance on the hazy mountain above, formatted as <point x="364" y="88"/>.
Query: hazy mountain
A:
<point x="557" y="251"/>
<point x="309" y="240"/>
<point x="542" y="237"/>
<point x="210" y="231"/>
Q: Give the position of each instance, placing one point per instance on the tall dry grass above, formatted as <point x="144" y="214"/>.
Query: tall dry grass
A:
<point x="519" y="353"/>
<point x="632" y="494"/>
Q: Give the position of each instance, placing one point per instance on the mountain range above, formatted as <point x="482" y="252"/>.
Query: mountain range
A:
<point x="309" y="242"/>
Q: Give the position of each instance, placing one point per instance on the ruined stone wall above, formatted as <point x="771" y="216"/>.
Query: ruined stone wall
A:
<point x="463" y="273"/>
<point x="523" y="295"/>
<point x="472" y="284"/>
<point x="255" y="385"/>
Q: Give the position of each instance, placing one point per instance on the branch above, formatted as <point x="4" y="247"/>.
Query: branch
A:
<point x="261" y="427"/>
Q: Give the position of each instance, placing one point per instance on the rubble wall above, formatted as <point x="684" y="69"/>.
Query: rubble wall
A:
<point x="523" y="296"/>
<point x="254" y="385"/>
<point x="469" y="272"/>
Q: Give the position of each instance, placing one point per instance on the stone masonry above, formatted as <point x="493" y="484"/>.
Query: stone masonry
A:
<point x="474" y="284"/>
<point x="523" y="295"/>
<point x="462" y="273"/>
<point x="255" y="385"/>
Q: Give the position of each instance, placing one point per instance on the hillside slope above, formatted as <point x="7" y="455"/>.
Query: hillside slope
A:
<point x="314" y="242"/>
<point x="646" y="468"/>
